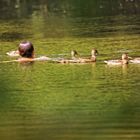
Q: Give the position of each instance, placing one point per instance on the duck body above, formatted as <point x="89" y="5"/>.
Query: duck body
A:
<point x="69" y="61"/>
<point x="87" y="60"/>
<point x="78" y="60"/>
<point x="123" y="61"/>
<point x="115" y="62"/>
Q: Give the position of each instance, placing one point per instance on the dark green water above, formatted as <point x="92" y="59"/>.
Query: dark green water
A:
<point x="49" y="101"/>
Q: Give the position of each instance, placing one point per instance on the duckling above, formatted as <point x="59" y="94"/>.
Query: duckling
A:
<point x="124" y="60"/>
<point x="74" y="58"/>
<point x="94" y="52"/>
<point x="13" y="53"/>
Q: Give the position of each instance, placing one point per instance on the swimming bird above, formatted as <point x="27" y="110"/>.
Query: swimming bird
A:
<point x="124" y="60"/>
<point x="94" y="52"/>
<point x="76" y="59"/>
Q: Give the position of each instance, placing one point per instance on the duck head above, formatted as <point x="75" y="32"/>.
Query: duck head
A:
<point x="125" y="58"/>
<point x="94" y="52"/>
<point x="74" y="53"/>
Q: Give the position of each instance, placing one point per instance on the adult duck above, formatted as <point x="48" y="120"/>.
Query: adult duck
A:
<point x="123" y="61"/>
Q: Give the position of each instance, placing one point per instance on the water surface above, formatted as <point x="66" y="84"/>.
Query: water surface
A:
<point x="53" y="101"/>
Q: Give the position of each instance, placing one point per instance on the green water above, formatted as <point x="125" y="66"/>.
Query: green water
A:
<point x="54" y="101"/>
<point x="49" y="101"/>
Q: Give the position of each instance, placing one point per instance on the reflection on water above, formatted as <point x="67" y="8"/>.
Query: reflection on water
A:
<point x="81" y="8"/>
<point x="53" y="101"/>
<point x="40" y="27"/>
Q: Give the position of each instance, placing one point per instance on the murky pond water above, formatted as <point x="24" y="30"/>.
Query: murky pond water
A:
<point x="53" y="101"/>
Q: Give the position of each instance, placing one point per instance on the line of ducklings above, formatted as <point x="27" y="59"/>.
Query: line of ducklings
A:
<point x="76" y="59"/>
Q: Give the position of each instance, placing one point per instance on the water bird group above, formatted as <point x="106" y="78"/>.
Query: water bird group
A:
<point x="26" y="51"/>
<point x="76" y="59"/>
